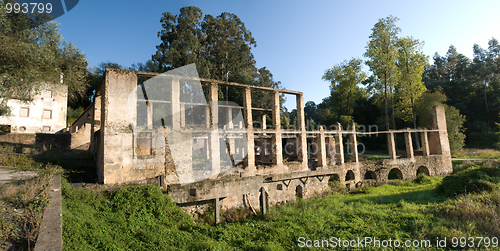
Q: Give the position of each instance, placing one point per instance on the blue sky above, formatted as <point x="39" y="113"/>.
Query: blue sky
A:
<point x="296" y="40"/>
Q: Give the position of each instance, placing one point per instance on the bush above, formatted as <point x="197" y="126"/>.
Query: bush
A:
<point x="472" y="180"/>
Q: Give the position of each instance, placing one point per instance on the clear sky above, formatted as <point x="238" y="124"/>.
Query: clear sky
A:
<point x="296" y="40"/>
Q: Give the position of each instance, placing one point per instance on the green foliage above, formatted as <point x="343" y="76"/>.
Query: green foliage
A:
<point x="344" y="79"/>
<point x="475" y="179"/>
<point x="34" y="52"/>
<point x="73" y="114"/>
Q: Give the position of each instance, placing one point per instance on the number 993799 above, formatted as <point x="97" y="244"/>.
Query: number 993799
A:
<point x="28" y="8"/>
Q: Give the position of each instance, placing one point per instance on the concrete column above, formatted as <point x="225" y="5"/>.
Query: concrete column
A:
<point x="214" y="105"/>
<point x="276" y="110"/>
<point x="391" y="145"/>
<point x="217" y="211"/>
<point x="264" y="123"/>
<point x="207" y="116"/>
<point x="302" y="140"/>
<point x="213" y="137"/>
<point x="150" y="114"/>
<point x="331" y="151"/>
<point x="440" y="142"/>
<point x="176" y="104"/>
<point x="321" y="147"/>
<point x="409" y="144"/>
<point x="230" y="127"/>
<point x="247" y="112"/>
<point x="354" y="144"/>
<point x="425" y="143"/>
<point x="277" y="141"/>
<point x="339" y="144"/>
<point x="263" y="202"/>
<point x="183" y="115"/>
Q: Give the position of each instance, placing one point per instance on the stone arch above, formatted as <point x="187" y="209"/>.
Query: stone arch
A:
<point x="395" y="174"/>
<point x="299" y="191"/>
<point x="349" y="175"/>
<point x="422" y="169"/>
<point x="370" y="175"/>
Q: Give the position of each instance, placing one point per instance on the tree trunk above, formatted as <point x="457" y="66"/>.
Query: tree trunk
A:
<point x="386" y="109"/>
<point x="486" y="104"/>
<point x="417" y="142"/>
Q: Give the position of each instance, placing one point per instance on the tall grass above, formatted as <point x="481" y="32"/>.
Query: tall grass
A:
<point x="144" y="218"/>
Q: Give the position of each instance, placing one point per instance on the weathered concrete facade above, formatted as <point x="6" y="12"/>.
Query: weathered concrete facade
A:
<point x="45" y="113"/>
<point x="277" y="166"/>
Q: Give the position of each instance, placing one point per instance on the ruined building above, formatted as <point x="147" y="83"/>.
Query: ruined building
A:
<point x="137" y="136"/>
<point x="44" y="112"/>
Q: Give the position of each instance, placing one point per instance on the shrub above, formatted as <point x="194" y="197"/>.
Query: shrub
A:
<point x="474" y="179"/>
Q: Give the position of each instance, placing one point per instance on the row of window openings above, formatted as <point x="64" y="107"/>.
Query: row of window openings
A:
<point x="25" y="112"/>
<point x="44" y="129"/>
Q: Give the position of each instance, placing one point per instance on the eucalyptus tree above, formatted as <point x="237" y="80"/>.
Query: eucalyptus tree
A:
<point x="410" y="62"/>
<point x="381" y="52"/>
<point x="344" y="79"/>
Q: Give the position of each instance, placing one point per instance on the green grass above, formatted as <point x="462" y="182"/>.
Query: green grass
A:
<point x="144" y="218"/>
<point x="473" y="153"/>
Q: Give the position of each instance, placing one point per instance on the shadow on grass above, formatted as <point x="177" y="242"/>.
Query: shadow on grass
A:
<point x="79" y="166"/>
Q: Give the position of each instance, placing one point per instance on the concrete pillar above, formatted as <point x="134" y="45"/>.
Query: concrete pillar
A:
<point x="207" y="116"/>
<point x="217" y="211"/>
<point x="302" y="139"/>
<point x="264" y="123"/>
<point x="263" y="202"/>
<point x="247" y="112"/>
<point x="331" y="151"/>
<point x="183" y="115"/>
<point x="277" y="141"/>
<point x="213" y="137"/>
<point x="150" y="114"/>
<point x="321" y="147"/>
<point x="176" y="104"/>
<point x="440" y="142"/>
<point x="425" y="143"/>
<point x="409" y="144"/>
<point x="230" y="127"/>
<point x="354" y="144"/>
<point x="391" y="145"/>
<point x="339" y="145"/>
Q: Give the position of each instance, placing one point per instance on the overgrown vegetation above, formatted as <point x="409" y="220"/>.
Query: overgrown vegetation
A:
<point x="143" y="217"/>
<point x="23" y="202"/>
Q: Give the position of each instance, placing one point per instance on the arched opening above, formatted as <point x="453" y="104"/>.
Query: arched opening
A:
<point x="298" y="191"/>
<point x="349" y="175"/>
<point x="370" y="175"/>
<point x="395" y="174"/>
<point x="423" y="170"/>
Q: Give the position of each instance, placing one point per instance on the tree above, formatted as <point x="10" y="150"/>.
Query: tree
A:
<point x="33" y="52"/>
<point x="182" y="40"/>
<point x="410" y="62"/>
<point x="344" y="79"/>
<point x="382" y="52"/>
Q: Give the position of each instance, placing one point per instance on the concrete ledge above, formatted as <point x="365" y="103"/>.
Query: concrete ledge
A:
<point x="50" y="234"/>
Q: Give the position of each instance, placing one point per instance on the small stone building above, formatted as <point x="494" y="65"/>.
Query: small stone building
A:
<point x="45" y="113"/>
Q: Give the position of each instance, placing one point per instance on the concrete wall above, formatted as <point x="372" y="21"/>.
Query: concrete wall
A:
<point x="46" y="113"/>
<point x="126" y="152"/>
